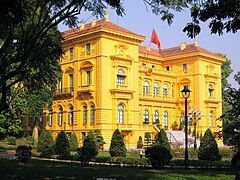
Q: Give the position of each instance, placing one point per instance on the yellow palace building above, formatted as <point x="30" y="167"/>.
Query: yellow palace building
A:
<point x="109" y="81"/>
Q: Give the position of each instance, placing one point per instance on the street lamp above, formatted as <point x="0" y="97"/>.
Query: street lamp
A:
<point x="195" y="119"/>
<point x="186" y="94"/>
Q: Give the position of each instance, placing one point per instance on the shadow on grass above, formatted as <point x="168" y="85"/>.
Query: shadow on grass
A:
<point x="52" y="170"/>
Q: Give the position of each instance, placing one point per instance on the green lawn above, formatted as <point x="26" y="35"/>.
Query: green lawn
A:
<point x="53" y="170"/>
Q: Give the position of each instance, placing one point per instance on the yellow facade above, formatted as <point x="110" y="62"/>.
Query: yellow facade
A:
<point x="110" y="81"/>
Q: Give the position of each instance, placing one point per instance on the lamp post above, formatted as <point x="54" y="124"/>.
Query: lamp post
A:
<point x="186" y="94"/>
<point x="195" y="119"/>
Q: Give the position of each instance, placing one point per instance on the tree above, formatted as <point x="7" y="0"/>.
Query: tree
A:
<point x="30" y="40"/>
<point x="73" y="142"/>
<point x="208" y="149"/>
<point x="160" y="152"/>
<point x="117" y="147"/>
<point x="99" y="138"/>
<point x="45" y="144"/>
<point x="140" y="143"/>
<point x="89" y="149"/>
<point x="62" y="147"/>
<point x="161" y="138"/>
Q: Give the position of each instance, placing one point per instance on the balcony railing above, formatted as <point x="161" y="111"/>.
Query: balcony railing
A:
<point x="64" y="91"/>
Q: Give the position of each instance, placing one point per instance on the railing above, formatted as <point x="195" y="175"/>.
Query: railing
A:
<point x="64" y="91"/>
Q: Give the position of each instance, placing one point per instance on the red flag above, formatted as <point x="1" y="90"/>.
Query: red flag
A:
<point x="155" y="40"/>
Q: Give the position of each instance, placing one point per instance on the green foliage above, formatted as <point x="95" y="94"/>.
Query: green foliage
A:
<point x="73" y="142"/>
<point x="175" y="125"/>
<point x="161" y="138"/>
<point x="140" y="143"/>
<point x="62" y="147"/>
<point x="23" y="153"/>
<point x="89" y="149"/>
<point x="117" y="147"/>
<point x="99" y="139"/>
<point x="208" y="149"/>
<point x="11" y="140"/>
<point x="46" y="144"/>
<point x="159" y="155"/>
<point x="30" y="139"/>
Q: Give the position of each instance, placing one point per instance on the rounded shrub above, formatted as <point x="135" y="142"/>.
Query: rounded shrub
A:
<point x="208" y="149"/>
<point x="23" y="153"/>
<point x="11" y="140"/>
<point x="73" y="142"/>
<point x="62" y="147"/>
<point x="45" y="144"/>
<point x="30" y="139"/>
<point x="117" y="147"/>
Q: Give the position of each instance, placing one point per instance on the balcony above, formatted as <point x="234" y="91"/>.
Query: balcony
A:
<point x="63" y="92"/>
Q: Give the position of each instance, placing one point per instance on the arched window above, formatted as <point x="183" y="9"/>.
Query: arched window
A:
<point x="146" y="88"/>
<point x="210" y="91"/>
<point x="165" y="90"/>
<point x="50" y="118"/>
<point x="84" y="115"/>
<point x="120" y="77"/>
<point x="211" y="119"/>
<point x="70" y="116"/>
<point x="145" y="117"/>
<point x="155" y="89"/>
<point x="165" y="120"/>
<point x="60" y="113"/>
<point x="120" y="114"/>
<point x="182" y="118"/>
<point x="155" y="117"/>
<point x="92" y="115"/>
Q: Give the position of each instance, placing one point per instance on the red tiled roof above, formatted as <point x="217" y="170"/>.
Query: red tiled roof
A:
<point x="100" y="24"/>
<point x="175" y="51"/>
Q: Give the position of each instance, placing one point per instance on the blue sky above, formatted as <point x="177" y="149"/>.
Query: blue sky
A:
<point x="141" y="20"/>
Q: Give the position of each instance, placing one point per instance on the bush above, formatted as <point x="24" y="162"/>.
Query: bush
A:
<point x="62" y="147"/>
<point x="23" y="153"/>
<point x="30" y="140"/>
<point x="45" y="144"/>
<point x="89" y="149"/>
<point x="73" y="142"/>
<point x="117" y="147"/>
<point x="159" y="155"/>
<point x="161" y="138"/>
<point x="11" y="140"/>
<point x="99" y="139"/>
<point x="208" y="149"/>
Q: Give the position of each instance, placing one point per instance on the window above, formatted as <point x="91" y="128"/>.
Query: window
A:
<point x="84" y="115"/>
<point x="182" y="118"/>
<point x="143" y="64"/>
<point x="155" y="89"/>
<point x="92" y="115"/>
<point x="88" y="77"/>
<point x="71" y="54"/>
<point x="71" y="82"/>
<point x="210" y="91"/>
<point x="165" y="120"/>
<point x="146" y="88"/>
<point x="60" y="113"/>
<point x="165" y="90"/>
<point x="30" y="120"/>
<point x="120" y="77"/>
<point x="185" y="68"/>
<point x="70" y="116"/>
<point x="146" y="117"/>
<point x="88" y="48"/>
<point x="172" y="91"/>
<point x="50" y="118"/>
<point x="211" y="119"/>
<point x="167" y="68"/>
<point x="155" y="117"/>
<point x="60" y="86"/>
<point x="153" y="66"/>
<point x="120" y="114"/>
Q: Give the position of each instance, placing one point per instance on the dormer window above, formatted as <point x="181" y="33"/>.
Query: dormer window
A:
<point x="120" y="77"/>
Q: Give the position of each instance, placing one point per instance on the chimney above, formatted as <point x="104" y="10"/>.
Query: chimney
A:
<point x="183" y="46"/>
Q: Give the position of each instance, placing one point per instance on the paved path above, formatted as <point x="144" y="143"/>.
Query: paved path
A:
<point x="9" y="154"/>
